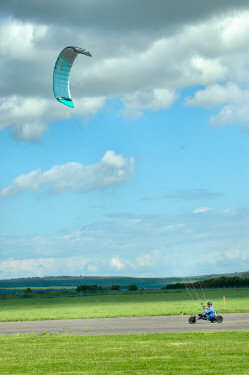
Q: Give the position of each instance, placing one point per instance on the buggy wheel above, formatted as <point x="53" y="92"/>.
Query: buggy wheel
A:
<point x="219" y="319"/>
<point x="192" y="320"/>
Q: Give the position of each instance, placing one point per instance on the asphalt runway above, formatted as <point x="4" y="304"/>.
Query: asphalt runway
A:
<point x="114" y="326"/>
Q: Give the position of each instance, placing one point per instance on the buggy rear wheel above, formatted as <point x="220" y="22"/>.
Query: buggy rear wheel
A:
<point x="219" y="318"/>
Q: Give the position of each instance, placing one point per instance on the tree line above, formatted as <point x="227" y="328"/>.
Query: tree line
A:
<point x="221" y="282"/>
<point x="99" y="288"/>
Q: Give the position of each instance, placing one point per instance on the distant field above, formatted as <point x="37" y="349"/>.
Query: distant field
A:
<point x="38" y="288"/>
<point x="106" y="281"/>
<point x="212" y="353"/>
<point x="72" y="306"/>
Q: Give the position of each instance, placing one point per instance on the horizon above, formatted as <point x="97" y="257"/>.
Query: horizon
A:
<point x="123" y="277"/>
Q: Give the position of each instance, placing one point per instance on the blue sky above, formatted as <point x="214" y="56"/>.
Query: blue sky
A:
<point x="148" y="174"/>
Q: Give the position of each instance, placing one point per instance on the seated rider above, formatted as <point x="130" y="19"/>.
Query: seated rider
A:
<point x="209" y="311"/>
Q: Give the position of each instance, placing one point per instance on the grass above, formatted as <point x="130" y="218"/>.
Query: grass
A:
<point x="219" y="353"/>
<point x="71" y="306"/>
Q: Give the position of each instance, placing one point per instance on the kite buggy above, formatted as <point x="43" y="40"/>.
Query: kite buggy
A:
<point x="209" y="315"/>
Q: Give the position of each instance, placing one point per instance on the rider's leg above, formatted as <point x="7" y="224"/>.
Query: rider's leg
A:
<point x="202" y="316"/>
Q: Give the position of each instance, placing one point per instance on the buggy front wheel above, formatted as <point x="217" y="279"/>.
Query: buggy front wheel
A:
<point x="192" y="320"/>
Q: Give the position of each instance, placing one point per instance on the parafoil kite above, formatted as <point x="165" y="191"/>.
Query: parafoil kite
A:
<point x="62" y="71"/>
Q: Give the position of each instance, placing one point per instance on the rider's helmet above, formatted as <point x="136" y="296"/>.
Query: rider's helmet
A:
<point x="209" y="303"/>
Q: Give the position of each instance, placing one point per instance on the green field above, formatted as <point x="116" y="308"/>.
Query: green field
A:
<point x="71" y="306"/>
<point x="219" y="353"/>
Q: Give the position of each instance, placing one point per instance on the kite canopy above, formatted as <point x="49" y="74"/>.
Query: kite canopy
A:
<point x="62" y="71"/>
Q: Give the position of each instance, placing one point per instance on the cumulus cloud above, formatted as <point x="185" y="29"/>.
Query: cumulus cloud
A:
<point x="216" y="95"/>
<point x="116" y="263"/>
<point x="232" y="114"/>
<point x="234" y="31"/>
<point x="111" y="170"/>
<point x="142" y="263"/>
<point x="19" y="40"/>
<point x="28" y="118"/>
<point x="234" y="99"/>
<point x="154" y="100"/>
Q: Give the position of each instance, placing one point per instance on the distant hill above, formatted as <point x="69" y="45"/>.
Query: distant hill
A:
<point x="106" y="281"/>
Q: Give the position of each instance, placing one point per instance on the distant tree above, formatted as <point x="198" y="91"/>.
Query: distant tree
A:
<point x="100" y="288"/>
<point x="93" y="288"/>
<point x="175" y="286"/>
<point x="115" y="287"/>
<point x="27" y="293"/>
<point x="82" y="288"/>
<point x="89" y="288"/>
<point x="132" y="288"/>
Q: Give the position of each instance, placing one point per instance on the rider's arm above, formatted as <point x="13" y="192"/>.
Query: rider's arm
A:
<point x="207" y="310"/>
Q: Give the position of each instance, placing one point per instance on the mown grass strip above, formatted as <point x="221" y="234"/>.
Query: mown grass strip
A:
<point x="209" y="353"/>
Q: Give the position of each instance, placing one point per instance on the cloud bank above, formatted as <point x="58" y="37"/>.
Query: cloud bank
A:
<point x="185" y="244"/>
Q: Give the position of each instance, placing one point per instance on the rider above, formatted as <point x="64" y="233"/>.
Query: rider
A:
<point x="209" y="311"/>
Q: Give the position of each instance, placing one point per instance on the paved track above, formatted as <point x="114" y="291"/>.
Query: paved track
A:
<point x="113" y="326"/>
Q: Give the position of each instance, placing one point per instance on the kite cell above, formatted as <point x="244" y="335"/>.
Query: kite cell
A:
<point x="62" y="71"/>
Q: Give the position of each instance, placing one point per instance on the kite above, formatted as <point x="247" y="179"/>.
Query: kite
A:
<point x="62" y="71"/>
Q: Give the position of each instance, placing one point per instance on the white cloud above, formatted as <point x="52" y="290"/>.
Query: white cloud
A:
<point x="216" y="95"/>
<point x="202" y="210"/>
<point x="116" y="263"/>
<point x="19" y="39"/>
<point x="236" y="100"/>
<point x="138" y="264"/>
<point x="153" y="100"/>
<point x="149" y="260"/>
<point x="207" y="69"/>
<point x="230" y="114"/>
<point x="111" y="170"/>
<point x="235" y="30"/>
<point x="28" y="118"/>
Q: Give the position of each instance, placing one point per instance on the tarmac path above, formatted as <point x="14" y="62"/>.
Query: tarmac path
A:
<point x="113" y="326"/>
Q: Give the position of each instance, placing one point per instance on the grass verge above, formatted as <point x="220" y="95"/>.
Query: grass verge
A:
<point x="184" y="353"/>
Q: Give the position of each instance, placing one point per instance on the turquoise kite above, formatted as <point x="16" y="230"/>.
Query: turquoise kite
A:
<point x="62" y="71"/>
